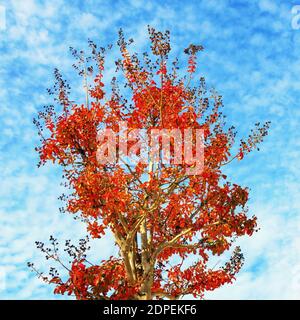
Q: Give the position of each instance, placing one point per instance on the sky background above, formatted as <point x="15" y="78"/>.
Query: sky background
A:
<point x="252" y="57"/>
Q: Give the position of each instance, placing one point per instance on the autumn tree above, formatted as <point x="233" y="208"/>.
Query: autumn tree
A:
<point x="166" y="222"/>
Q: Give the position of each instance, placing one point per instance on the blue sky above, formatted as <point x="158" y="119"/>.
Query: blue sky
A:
<point x="252" y="57"/>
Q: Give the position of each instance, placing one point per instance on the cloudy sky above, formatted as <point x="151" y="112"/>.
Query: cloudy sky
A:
<point x="252" y="57"/>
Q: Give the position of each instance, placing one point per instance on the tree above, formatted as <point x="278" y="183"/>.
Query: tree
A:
<point x="166" y="222"/>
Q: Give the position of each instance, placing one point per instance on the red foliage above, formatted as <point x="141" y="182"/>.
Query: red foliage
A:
<point x="170" y="213"/>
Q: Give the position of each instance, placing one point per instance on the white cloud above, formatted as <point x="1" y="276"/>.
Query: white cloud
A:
<point x="251" y="57"/>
